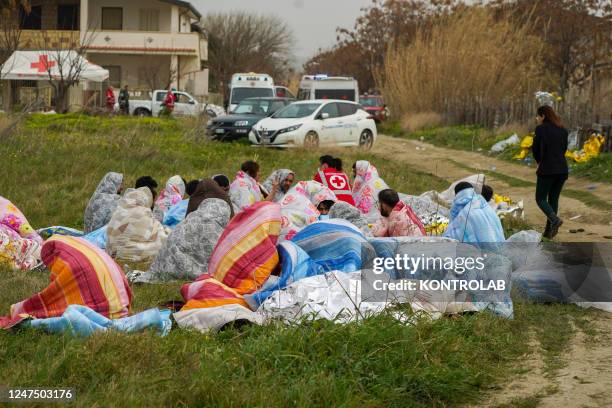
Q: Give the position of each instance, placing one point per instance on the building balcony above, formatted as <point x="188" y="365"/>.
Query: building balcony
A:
<point x="144" y="42"/>
<point x="118" y="42"/>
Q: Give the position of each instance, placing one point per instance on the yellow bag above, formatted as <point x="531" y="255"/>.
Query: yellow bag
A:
<point x="526" y="145"/>
<point x="591" y="148"/>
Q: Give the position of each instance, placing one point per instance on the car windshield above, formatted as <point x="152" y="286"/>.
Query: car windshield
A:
<point x="239" y="94"/>
<point x="253" y="106"/>
<point x="297" y="110"/>
<point x="370" y="102"/>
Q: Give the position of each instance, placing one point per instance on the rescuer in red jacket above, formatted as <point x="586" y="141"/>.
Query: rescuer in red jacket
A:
<point x="330" y="175"/>
<point x="110" y="99"/>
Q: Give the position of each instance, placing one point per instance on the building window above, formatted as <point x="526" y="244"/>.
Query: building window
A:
<point x="149" y="20"/>
<point x="114" y="75"/>
<point x="112" y="18"/>
<point x="68" y="17"/>
<point x="31" y="20"/>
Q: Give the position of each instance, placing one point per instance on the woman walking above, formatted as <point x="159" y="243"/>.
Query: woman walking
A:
<point x="549" y="147"/>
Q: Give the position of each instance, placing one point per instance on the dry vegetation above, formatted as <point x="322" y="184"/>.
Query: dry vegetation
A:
<point x="464" y="68"/>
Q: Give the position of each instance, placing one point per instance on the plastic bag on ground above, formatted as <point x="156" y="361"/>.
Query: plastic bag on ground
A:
<point x="504" y="144"/>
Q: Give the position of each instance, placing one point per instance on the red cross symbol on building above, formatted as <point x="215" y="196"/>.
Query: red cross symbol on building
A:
<point x="43" y="63"/>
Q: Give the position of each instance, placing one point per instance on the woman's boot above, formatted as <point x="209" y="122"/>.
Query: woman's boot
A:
<point x="547" y="230"/>
<point x="555" y="224"/>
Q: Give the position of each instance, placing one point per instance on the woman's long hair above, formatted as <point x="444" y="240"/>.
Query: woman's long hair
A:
<point x="550" y="115"/>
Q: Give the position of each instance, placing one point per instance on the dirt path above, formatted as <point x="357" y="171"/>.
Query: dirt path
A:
<point x="597" y="223"/>
<point x="585" y="381"/>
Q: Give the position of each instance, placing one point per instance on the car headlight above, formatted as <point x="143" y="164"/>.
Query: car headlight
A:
<point x="241" y="123"/>
<point x="290" y="129"/>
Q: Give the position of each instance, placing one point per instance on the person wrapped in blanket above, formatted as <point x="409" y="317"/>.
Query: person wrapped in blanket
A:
<point x="187" y="250"/>
<point x="99" y="236"/>
<point x="171" y="195"/>
<point x="133" y="233"/>
<point x="20" y="244"/>
<point x="81" y="274"/>
<point x="472" y="220"/>
<point x="285" y="179"/>
<point x="398" y="218"/>
<point x="344" y="211"/>
<point x="177" y="212"/>
<point x="303" y="205"/>
<point x="366" y="188"/>
<point x="243" y="259"/>
<point x="103" y="202"/>
<point x="245" y="190"/>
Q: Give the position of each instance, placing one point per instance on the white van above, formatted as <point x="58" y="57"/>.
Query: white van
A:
<point x="251" y="85"/>
<point x="325" y="87"/>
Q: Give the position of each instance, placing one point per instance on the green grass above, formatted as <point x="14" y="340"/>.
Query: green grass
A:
<point x="597" y="169"/>
<point x="60" y="159"/>
<point x="460" y="137"/>
<point x="52" y="165"/>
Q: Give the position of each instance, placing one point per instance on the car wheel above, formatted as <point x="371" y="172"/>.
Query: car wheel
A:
<point x="311" y="140"/>
<point x="142" y="112"/>
<point x="366" y="140"/>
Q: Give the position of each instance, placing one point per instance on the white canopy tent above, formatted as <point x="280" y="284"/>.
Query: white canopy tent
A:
<point x="40" y="65"/>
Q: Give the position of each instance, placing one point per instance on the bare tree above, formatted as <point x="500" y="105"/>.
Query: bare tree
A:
<point x="578" y="34"/>
<point x="243" y="42"/>
<point x="10" y="30"/>
<point x="63" y="60"/>
<point x="154" y="77"/>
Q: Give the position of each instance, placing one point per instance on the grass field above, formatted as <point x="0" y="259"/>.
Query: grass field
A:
<point x="51" y="166"/>
<point x="476" y="138"/>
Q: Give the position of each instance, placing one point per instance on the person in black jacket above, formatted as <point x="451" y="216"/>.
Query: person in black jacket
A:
<point x="124" y="101"/>
<point x="549" y="147"/>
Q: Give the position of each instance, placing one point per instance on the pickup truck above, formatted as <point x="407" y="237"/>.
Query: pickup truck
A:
<point x="185" y="105"/>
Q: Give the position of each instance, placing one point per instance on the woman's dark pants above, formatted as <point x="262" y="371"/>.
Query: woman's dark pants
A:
<point x="548" y="190"/>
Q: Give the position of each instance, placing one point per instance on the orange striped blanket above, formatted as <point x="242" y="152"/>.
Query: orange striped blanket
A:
<point x="81" y="274"/>
<point x="244" y="258"/>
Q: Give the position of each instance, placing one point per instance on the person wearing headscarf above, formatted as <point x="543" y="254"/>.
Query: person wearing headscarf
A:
<point x="245" y="190"/>
<point x="208" y="188"/>
<point x="20" y="244"/>
<point x="103" y="202"/>
<point x="368" y="184"/>
<point x="300" y="206"/>
<point x="472" y="220"/>
<point x="177" y="212"/>
<point x="171" y="195"/>
<point x="133" y="233"/>
<point x="285" y="179"/>
<point x="398" y="219"/>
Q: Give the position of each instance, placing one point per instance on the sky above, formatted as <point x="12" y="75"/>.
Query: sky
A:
<point x="313" y="22"/>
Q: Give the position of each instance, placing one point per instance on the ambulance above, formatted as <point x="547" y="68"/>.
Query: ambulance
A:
<point x="251" y="85"/>
<point x="314" y="87"/>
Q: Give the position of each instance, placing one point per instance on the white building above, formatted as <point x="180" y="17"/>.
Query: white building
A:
<point x="146" y="44"/>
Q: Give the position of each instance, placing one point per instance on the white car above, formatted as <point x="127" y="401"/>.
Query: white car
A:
<point x="316" y="123"/>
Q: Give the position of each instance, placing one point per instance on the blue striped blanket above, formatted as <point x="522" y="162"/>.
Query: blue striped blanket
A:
<point x="336" y="245"/>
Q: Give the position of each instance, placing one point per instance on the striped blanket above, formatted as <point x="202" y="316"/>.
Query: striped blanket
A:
<point x="81" y="274"/>
<point x="336" y="245"/>
<point x="295" y="265"/>
<point x="243" y="259"/>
